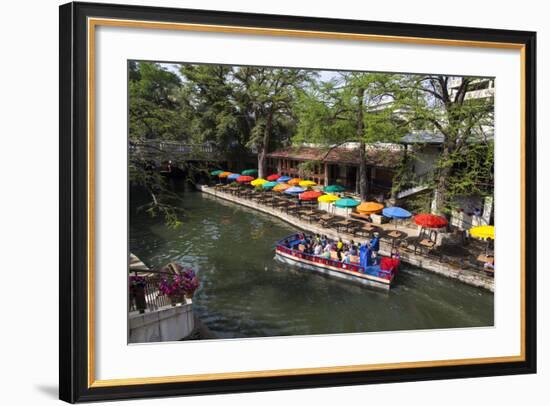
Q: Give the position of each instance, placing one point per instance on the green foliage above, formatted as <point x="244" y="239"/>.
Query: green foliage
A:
<point x="257" y="109"/>
<point x="154" y="111"/>
<point x="327" y="112"/>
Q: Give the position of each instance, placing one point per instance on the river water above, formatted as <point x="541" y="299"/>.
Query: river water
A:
<point x="246" y="293"/>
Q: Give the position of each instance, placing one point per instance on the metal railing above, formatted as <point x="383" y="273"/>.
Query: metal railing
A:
<point x="147" y="295"/>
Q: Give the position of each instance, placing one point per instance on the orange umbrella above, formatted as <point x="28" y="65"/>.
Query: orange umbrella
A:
<point x="281" y="187"/>
<point x="370" y="207"/>
<point x="224" y="174"/>
<point x="294" y="182"/>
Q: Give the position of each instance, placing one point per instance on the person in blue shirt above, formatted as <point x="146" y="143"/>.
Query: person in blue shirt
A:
<point x="375" y="246"/>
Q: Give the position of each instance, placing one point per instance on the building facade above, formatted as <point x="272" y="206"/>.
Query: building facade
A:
<point x="339" y="165"/>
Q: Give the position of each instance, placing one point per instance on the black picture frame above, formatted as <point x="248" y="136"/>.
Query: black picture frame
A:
<point x="74" y="382"/>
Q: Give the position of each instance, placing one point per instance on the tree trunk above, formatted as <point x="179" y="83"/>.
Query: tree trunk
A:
<point x="363" y="178"/>
<point x="360" y="133"/>
<point x="441" y="186"/>
<point x="265" y="146"/>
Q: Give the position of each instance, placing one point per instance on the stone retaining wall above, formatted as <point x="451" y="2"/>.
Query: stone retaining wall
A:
<point x="169" y="323"/>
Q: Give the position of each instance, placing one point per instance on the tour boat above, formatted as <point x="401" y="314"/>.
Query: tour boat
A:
<point x="360" y="270"/>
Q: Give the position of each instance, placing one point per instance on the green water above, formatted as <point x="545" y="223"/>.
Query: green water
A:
<point x="246" y="293"/>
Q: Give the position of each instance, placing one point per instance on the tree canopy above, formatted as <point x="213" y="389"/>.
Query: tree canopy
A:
<point x="257" y="109"/>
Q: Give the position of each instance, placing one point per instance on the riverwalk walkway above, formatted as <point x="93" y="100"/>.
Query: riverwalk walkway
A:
<point x="424" y="259"/>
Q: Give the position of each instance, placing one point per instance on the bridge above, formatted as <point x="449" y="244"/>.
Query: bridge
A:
<point x="175" y="150"/>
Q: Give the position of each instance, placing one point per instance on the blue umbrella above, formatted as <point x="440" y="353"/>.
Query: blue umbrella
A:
<point x="396" y="213"/>
<point x="234" y="176"/>
<point x="284" y="179"/>
<point x="295" y="190"/>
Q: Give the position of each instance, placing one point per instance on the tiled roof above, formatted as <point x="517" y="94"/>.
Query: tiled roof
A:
<point x="381" y="157"/>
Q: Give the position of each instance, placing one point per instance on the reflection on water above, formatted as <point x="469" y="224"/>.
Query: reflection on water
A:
<point x="246" y="293"/>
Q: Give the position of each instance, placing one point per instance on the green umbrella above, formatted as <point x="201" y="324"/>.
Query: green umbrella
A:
<point x="346" y="203"/>
<point x="334" y="189"/>
<point x="216" y="173"/>
<point x="250" y="172"/>
<point x="269" y="185"/>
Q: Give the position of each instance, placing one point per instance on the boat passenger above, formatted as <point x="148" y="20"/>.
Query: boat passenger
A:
<point x="326" y="251"/>
<point x="347" y="257"/>
<point x="318" y="249"/>
<point x="375" y="245"/>
<point x="353" y="249"/>
<point x="339" y="248"/>
<point x="395" y="253"/>
<point x="324" y="240"/>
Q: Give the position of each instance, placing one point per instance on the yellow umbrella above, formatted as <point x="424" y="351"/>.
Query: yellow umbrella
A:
<point x="294" y="182"/>
<point x="224" y="174"/>
<point x="307" y="183"/>
<point x="483" y="232"/>
<point x="370" y="207"/>
<point x="327" y="198"/>
<point x="281" y="187"/>
<point x="258" y="182"/>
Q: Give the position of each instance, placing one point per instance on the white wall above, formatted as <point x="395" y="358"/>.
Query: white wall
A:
<point x="28" y="208"/>
<point x="425" y="158"/>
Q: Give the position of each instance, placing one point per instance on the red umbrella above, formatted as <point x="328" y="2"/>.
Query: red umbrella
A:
<point x="430" y="220"/>
<point x="273" y="177"/>
<point x="310" y="195"/>
<point x="245" y="179"/>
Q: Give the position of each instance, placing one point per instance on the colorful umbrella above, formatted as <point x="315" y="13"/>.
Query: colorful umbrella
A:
<point x="216" y="173"/>
<point x="430" y="220"/>
<point x="281" y="187"/>
<point x="245" y="179"/>
<point x="485" y="232"/>
<point x="269" y="185"/>
<point x="310" y="195"/>
<point x="284" y="179"/>
<point x="346" y="203"/>
<point x="328" y="198"/>
<point x="334" y="189"/>
<point x="370" y="207"/>
<point x="396" y="213"/>
<point x="234" y="176"/>
<point x="295" y="190"/>
<point x="294" y="181"/>
<point x="258" y="182"/>
<point x="250" y="172"/>
<point x="273" y="177"/>
<point x="224" y="174"/>
<point x="307" y="183"/>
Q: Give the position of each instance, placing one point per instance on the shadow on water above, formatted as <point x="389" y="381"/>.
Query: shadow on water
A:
<point x="245" y="292"/>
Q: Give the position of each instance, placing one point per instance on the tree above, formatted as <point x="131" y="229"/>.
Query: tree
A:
<point x="208" y="103"/>
<point x="441" y="103"/>
<point x="265" y="97"/>
<point x="154" y="113"/>
<point x="153" y="106"/>
<point x="354" y="107"/>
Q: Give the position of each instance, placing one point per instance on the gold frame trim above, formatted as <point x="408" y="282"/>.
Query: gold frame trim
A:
<point x="94" y="22"/>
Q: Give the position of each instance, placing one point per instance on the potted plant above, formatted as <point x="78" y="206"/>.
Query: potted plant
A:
<point x="183" y="282"/>
<point x="170" y="286"/>
<point x="189" y="283"/>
